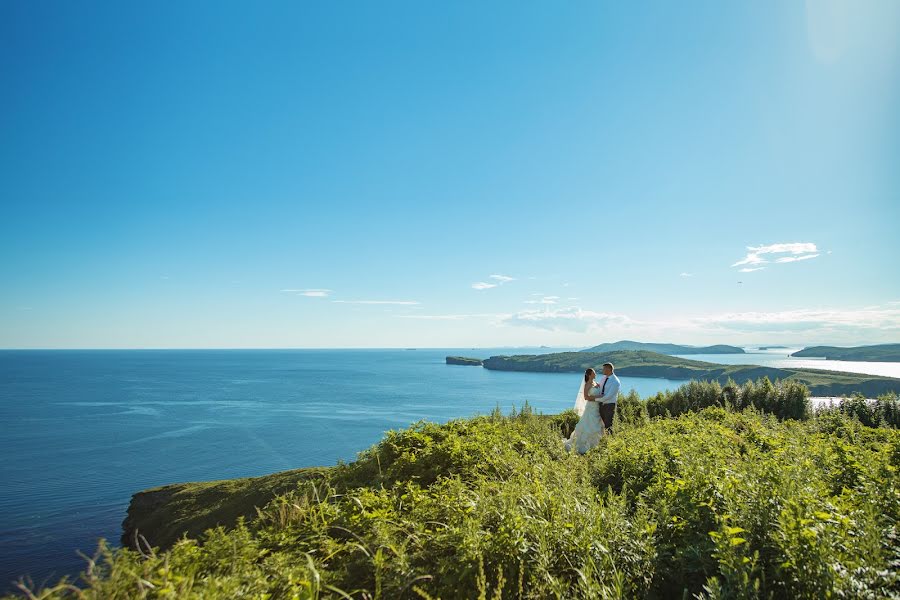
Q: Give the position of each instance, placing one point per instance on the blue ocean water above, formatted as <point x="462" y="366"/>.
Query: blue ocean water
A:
<point x="82" y="430"/>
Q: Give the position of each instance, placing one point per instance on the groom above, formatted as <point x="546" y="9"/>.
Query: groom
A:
<point x="609" y="391"/>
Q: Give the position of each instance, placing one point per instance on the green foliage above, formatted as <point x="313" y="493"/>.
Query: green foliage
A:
<point x="884" y="411"/>
<point x="714" y="503"/>
<point x="785" y="399"/>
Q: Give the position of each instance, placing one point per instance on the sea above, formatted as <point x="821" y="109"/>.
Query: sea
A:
<point x="82" y="430"/>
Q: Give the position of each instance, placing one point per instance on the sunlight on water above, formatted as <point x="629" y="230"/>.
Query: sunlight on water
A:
<point x="781" y="359"/>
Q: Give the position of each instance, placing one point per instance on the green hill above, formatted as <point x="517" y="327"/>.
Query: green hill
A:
<point x="711" y="504"/>
<point x="665" y="348"/>
<point x="641" y="363"/>
<point x="879" y="353"/>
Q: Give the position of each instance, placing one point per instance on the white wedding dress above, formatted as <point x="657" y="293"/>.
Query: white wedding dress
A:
<point x="590" y="427"/>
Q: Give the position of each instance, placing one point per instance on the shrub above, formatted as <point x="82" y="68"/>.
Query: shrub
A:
<point x="713" y="503"/>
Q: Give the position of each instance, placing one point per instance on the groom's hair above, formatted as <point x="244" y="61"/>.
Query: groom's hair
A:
<point x="610" y="365"/>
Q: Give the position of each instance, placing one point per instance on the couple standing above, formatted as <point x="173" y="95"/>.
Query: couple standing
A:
<point x="596" y="405"/>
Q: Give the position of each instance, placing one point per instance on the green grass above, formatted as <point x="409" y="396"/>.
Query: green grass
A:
<point x="163" y="514"/>
<point x="712" y="504"/>
<point x="642" y="363"/>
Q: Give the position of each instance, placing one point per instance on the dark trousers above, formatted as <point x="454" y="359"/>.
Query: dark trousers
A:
<point x="607" y="412"/>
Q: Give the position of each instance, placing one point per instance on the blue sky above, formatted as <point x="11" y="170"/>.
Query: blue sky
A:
<point x="397" y="174"/>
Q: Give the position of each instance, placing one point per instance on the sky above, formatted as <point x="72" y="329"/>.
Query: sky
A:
<point x="484" y="174"/>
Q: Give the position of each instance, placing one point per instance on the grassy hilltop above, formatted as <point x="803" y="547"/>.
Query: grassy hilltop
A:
<point x="642" y="363"/>
<point x="712" y="503"/>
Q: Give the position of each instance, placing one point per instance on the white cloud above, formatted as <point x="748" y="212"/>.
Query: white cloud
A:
<point x="825" y="322"/>
<point x="686" y="275"/>
<point x="499" y="279"/>
<point x="544" y="300"/>
<point x="310" y="293"/>
<point x="395" y="302"/>
<point x="503" y="278"/>
<point x="787" y="259"/>
<point x="808" y="326"/>
<point x="751" y="269"/>
<point x="755" y="254"/>
<point x="449" y="317"/>
<point x="566" y="319"/>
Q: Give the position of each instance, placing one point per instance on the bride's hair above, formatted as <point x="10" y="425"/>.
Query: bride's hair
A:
<point x="588" y="373"/>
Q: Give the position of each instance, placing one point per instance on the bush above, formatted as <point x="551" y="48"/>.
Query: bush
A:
<point x="786" y="400"/>
<point x="884" y="411"/>
<point x="714" y="503"/>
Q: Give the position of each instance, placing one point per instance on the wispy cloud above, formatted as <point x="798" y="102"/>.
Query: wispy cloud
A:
<point x="686" y="275"/>
<point x="751" y="269"/>
<point x="450" y="317"/>
<point x="756" y="255"/>
<point x="825" y="321"/>
<point x="498" y="281"/>
<point x="544" y="300"/>
<point x="309" y="293"/>
<point x="787" y="259"/>
<point x="830" y="325"/>
<point x="566" y="319"/>
<point x="394" y="302"/>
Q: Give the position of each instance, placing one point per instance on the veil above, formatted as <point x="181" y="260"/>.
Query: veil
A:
<point x="580" y="402"/>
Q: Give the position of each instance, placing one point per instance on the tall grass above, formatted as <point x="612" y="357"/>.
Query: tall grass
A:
<point x="744" y="494"/>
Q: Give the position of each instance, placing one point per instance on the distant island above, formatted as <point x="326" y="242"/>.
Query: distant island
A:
<point x="641" y="363"/>
<point x="877" y="353"/>
<point x="462" y="360"/>
<point x="670" y="349"/>
<point x="772" y="348"/>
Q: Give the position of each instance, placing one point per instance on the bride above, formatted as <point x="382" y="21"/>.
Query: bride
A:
<point x="590" y="428"/>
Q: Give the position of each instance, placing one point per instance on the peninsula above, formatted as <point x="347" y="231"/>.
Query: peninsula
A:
<point x="878" y="353"/>
<point x="462" y="360"/>
<point x="641" y="363"/>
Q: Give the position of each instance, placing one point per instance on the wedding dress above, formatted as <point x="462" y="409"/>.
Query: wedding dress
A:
<point x="590" y="428"/>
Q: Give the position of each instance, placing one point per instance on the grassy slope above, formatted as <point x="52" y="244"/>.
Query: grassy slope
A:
<point x="651" y="364"/>
<point x="163" y="514"/>
<point x="713" y="500"/>
<point x="665" y="348"/>
<point x="879" y="353"/>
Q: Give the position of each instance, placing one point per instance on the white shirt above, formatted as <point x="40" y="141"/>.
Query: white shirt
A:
<point x="611" y="391"/>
